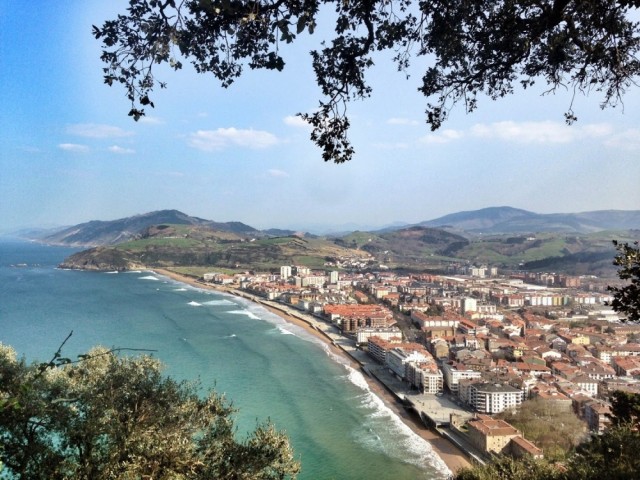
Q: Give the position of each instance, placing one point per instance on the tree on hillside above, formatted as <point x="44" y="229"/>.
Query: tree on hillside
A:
<point x="626" y="299"/>
<point x="625" y="409"/>
<point x="474" y="47"/>
<point x="108" y="417"/>
<point x="555" y="431"/>
<point x="507" y="468"/>
<point x="612" y="455"/>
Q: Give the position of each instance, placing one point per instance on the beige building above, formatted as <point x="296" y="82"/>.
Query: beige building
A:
<point x="497" y="436"/>
<point x="491" y="435"/>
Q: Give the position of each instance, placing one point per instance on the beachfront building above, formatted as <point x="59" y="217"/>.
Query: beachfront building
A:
<point x="378" y="347"/>
<point x="349" y="318"/>
<point x="399" y="358"/>
<point x="426" y="376"/>
<point x="454" y="372"/>
<point x="386" y="333"/>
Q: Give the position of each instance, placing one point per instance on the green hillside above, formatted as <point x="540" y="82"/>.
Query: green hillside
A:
<point x="183" y="245"/>
<point x="416" y="248"/>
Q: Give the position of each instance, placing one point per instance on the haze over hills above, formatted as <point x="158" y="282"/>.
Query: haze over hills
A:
<point x="486" y="221"/>
<point x="496" y="220"/>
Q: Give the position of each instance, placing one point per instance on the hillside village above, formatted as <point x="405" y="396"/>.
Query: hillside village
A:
<point x="487" y="342"/>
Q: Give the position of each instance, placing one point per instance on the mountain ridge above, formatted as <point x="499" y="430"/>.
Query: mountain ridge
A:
<point x="486" y="221"/>
<point x="509" y="220"/>
<point x="111" y="232"/>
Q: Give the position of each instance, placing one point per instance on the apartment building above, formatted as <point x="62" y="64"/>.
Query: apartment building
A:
<point x="453" y="372"/>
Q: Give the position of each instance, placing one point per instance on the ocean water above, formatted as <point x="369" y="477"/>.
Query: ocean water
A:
<point x="268" y="368"/>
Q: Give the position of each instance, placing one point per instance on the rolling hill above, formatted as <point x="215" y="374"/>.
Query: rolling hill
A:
<point x="499" y="220"/>
<point x="170" y="238"/>
<point x="198" y="245"/>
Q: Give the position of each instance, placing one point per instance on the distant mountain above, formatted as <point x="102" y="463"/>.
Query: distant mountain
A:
<point x="170" y="238"/>
<point x="498" y="220"/>
<point x="98" y="232"/>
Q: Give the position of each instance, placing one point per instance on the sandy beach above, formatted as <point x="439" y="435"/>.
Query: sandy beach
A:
<point x="451" y="455"/>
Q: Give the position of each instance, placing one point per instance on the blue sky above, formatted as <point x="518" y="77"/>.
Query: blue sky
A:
<point x="70" y="154"/>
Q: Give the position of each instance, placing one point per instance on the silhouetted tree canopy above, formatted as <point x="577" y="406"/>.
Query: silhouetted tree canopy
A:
<point x="472" y="47"/>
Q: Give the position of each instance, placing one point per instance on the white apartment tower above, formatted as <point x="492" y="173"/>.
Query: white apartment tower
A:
<point x="285" y="272"/>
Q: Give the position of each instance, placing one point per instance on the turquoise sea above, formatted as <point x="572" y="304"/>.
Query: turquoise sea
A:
<point x="268" y="368"/>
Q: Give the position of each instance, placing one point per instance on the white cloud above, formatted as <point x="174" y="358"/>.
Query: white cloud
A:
<point x="628" y="139"/>
<point x="274" y="172"/>
<point x="444" y="136"/>
<point x="211" y="140"/>
<point x="402" y="121"/>
<point x="546" y="132"/>
<point x="73" y="147"/>
<point x="149" y="120"/>
<point x="94" y="130"/>
<point x="296" y="121"/>
<point x="120" y="150"/>
<point x="525" y="132"/>
<point x="596" y="129"/>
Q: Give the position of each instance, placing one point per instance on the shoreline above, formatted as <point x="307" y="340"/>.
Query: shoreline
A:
<point x="453" y="457"/>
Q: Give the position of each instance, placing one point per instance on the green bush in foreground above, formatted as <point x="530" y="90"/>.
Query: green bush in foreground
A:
<point x="108" y="417"/>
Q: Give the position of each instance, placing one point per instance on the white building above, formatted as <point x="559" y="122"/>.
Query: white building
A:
<point x="454" y="372"/>
<point x="426" y="377"/>
<point x="315" y="280"/>
<point x="398" y="359"/>
<point x="363" y="334"/>
<point x="285" y="272"/>
<point x="469" y="305"/>
<point x="492" y="398"/>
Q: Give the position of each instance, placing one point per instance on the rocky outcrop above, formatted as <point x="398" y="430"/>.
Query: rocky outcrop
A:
<point x="101" y="259"/>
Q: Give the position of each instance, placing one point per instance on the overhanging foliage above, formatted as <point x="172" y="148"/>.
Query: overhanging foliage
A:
<point x="478" y="47"/>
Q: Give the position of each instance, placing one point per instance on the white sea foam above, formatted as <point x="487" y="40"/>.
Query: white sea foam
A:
<point x="284" y="330"/>
<point x="149" y="277"/>
<point x="220" y="302"/>
<point x="357" y="379"/>
<point x="399" y="437"/>
<point x="115" y="271"/>
<point x="133" y="271"/>
<point x="194" y="304"/>
<point x="179" y="289"/>
<point x="245" y="312"/>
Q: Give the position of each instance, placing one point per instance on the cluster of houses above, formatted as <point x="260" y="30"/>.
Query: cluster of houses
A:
<point x="492" y="342"/>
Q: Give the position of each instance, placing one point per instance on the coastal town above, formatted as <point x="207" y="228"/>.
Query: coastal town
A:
<point x="462" y="348"/>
